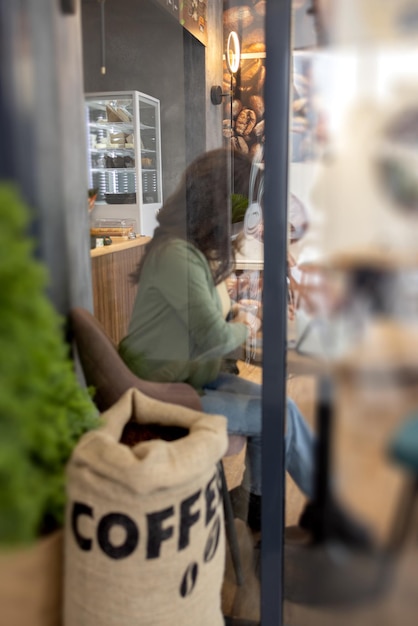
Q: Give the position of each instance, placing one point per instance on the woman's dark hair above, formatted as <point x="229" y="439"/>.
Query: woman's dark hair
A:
<point x="198" y="211"/>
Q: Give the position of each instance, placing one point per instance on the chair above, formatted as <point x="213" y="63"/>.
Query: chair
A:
<point x="403" y="450"/>
<point x="104" y="369"/>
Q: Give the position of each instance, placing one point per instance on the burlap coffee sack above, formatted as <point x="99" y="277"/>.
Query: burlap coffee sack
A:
<point x="144" y="537"/>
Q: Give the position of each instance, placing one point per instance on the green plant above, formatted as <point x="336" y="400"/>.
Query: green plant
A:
<point x="43" y="409"/>
<point x="239" y="205"/>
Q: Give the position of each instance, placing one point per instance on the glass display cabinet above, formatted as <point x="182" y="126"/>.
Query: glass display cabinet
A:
<point x="124" y="156"/>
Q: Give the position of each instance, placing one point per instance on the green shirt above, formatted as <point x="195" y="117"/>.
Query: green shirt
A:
<point x="177" y="331"/>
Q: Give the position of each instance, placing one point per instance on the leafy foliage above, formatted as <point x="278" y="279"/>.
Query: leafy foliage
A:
<point x="43" y="409"/>
<point x="239" y="205"/>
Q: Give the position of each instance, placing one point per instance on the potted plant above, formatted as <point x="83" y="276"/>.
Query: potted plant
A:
<point x="239" y="205"/>
<point x="43" y="413"/>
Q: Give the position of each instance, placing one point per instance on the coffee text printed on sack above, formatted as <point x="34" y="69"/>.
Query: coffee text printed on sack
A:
<point x="159" y="524"/>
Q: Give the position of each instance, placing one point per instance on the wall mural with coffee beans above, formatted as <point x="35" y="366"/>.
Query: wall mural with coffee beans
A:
<point x="243" y="123"/>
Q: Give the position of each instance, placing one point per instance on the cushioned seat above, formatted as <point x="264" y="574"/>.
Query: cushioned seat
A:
<point x="104" y="369"/>
<point x="404" y="446"/>
<point x="403" y="450"/>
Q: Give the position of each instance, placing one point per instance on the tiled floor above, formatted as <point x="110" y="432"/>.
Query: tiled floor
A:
<point x="370" y="486"/>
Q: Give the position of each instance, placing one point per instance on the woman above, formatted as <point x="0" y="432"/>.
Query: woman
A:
<point x="179" y="329"/>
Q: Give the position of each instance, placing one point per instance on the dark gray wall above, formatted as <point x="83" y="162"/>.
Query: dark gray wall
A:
<point x="42" y="127"/>
<point x="148" y="50"/>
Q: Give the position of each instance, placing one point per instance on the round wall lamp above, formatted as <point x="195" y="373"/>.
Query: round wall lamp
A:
<point x="233" y="52"/>
<point x="216" y="94"/>
<point x="232" y="57"/>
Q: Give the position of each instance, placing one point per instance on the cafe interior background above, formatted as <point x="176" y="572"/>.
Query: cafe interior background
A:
<point x="352" y="283"/>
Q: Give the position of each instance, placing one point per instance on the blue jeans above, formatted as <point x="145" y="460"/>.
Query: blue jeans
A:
<point x="239" y="400"/>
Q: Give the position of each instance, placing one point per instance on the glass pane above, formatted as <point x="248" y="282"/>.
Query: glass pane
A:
<point x="111" y="153"/>
<point x="150" y="151"/>
<point x="182" y="298"/>
<point x="244" y="136"/>
<point x="353" y="310"/>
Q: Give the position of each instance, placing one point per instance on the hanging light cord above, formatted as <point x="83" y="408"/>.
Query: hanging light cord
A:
<point x="102" y="25"/>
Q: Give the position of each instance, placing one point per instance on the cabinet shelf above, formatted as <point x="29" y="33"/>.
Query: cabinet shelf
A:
<point x="119" y="126"/>
<point x="125" y="127"/>
<point x="105" y="150"/>
<point x="124" y="170"/>
<point x="103" y="170"/>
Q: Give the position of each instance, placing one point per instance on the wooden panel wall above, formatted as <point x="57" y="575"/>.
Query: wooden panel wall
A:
<point x="113" y="291"/>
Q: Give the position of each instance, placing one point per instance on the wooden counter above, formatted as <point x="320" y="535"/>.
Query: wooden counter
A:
<point x="113" y="291"/>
